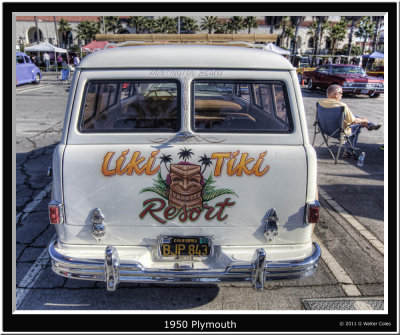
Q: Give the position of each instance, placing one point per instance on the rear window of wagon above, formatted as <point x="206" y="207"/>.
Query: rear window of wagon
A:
<point x="131" y="106"/>
<point x="240" y="106"/>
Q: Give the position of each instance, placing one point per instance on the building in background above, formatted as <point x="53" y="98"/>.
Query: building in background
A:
<point x="48" y="28"/>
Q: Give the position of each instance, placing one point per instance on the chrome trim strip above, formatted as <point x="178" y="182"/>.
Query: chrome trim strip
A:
<point x="110" y="270"/>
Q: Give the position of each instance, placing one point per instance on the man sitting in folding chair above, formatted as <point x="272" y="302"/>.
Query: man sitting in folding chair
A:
<point x="334" y="119"/>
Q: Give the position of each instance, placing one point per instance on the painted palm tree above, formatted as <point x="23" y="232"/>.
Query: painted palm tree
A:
<point x="113" y="23"/>
<point x="209" y="23"/>
<point x="185" y="154"/>
<point x="64" y="28"/>
<point x="205" y="161"/>
<point x="250" y="22"/>
<point x="365" y="30"/>
<point x="236" y="23"/>
<point x="136" y="22"/>
<point x="337" y="33"/>
<point x="166" y="159"/>
<point x="190" y="25"/>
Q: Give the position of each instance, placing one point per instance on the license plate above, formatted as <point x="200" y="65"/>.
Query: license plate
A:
<point x="364" y="91"/>
<point x="184" y="246"/>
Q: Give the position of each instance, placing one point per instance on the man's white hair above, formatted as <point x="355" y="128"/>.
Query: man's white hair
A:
<point x="332" y="90"/>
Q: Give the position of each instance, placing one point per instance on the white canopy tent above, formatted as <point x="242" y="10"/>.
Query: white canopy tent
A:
<point x="272" y="47"/>
<point x="47" y="47"/>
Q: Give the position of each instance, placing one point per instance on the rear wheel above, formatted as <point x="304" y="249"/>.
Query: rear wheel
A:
<point x="375" y="95"/>
<point x="310" y="84"/>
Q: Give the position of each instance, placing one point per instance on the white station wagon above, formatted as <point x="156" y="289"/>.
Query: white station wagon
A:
<point x="184" y="164"/>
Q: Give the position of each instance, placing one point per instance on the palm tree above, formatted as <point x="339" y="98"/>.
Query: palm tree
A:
<point x="337" y="33"/>
<point x="250" y="22"/>
<point x="378" y="24"/>
<point x="185" y="154"/>
<point x="206" y="161"/>
<point x="209" y="23"/>
<point x="166" y="159"/>
<point x="64" y="28"/>
<point x="190" y="25"/>
<point x="222" y="28"/>
<point x="289" y="34"/>
<point x="284" y="23"/>
<point x="166" y="25"/>
<point x="136" y="22"/>
<point x="297" y="20"/>
<point x="236" y="23"/>
<point x="113" y="23"/>
<point x="318" y="34"/>
<point x="87" y="30"/>
<point x="354" y="22"/>
<point x="365" y="30"/>
<point x="149" y="24"/>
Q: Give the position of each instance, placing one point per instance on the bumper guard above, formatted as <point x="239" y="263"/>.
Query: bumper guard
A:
<point x="111" y="271"/>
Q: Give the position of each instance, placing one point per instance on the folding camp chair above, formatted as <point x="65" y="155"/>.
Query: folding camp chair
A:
<point x="329" y="123"/>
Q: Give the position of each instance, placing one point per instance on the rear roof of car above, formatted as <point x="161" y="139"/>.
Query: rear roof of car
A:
<point x="185" y="56"/>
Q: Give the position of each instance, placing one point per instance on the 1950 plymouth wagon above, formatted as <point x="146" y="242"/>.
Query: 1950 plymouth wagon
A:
<point x="184" y="164"/>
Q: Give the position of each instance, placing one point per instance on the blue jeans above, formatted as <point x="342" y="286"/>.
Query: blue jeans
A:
<point x="355" y="131"/>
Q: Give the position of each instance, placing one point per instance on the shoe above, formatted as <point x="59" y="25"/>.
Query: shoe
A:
<point x="346" y="154"/>
<point x="373" y="126"/>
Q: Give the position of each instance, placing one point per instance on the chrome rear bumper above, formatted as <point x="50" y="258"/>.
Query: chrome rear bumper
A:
<point x="112" y="271"/>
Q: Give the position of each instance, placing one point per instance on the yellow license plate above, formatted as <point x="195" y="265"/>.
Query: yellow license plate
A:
<point x="184" y="246"/>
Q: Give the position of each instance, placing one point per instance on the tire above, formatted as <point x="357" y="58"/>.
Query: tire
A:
<point x="375" y="95"/>
<point x="310" y="84"/>
<point x="37" y="79"/>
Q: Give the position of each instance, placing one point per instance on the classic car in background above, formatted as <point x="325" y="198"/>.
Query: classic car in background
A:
<point x="352" y="78"/>
<point x="26" y="71"/>
<point x="376" y="72"/>
<point x="301" y="69"/>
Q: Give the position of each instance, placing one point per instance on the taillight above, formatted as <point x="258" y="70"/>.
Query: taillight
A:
<point x="313" y="211"/>
<point x="55" y="212"/>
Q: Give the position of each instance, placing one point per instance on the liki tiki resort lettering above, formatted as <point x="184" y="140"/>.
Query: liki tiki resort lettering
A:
<point x="236" y="164"/>
<point x="185" y="194"/>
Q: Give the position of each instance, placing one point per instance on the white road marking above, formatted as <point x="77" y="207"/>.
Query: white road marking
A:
<point x="339" y="273"/>
<point x="32" y="275"/>
<point x="378" y="245"/>
<point x="34" y="88"/>
<point x="32" y="205"/>
<point x="37" y="268"/>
